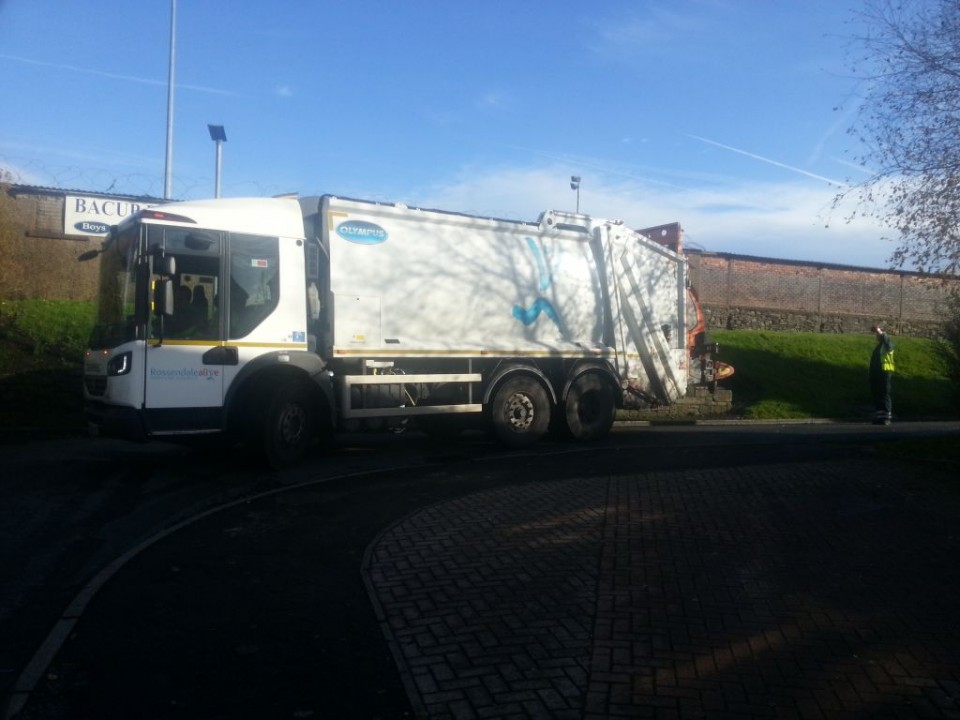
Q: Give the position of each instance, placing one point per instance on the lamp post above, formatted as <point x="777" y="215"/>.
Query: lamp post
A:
<point x="219" y="136"/>
<point x="575" y="185"/>
<point x="168" y="168"/>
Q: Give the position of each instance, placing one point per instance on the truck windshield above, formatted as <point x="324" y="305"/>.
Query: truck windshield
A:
<point x="117" y="320"/>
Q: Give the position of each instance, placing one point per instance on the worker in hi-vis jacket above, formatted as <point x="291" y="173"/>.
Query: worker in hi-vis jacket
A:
<point x="881" y="375"/>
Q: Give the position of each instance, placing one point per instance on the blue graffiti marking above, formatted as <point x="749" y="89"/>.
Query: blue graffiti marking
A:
<point x="541" y="305"/>
<point x="528" y="315"/>
<point x="542" y="269"/>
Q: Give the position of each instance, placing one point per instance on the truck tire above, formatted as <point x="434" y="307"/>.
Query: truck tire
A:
<point x="590" y="408"/>
<point x="520" y="412"/>
<point x="289" y="425"/>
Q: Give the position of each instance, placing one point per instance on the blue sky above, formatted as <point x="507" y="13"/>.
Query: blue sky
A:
<point x="728" y="116"/>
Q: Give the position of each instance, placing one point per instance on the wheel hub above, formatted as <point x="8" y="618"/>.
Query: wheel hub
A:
<point x="520" y="412"/>
<point x="292" y="424"/>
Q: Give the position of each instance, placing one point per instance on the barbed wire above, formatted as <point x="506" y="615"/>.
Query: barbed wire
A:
<point x="33" y="172"/>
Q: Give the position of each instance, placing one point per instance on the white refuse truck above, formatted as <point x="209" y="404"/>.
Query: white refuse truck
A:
<point x="281" y="321"/>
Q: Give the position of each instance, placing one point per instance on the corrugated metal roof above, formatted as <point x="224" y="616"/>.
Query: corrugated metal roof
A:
<point x="15" y="189"/>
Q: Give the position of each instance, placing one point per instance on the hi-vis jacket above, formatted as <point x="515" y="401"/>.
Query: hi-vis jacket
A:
<point x="886" y="361"/>
<point x="882" y="358"/>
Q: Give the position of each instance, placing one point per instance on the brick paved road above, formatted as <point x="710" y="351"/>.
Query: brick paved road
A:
<point x="801" y="591"/>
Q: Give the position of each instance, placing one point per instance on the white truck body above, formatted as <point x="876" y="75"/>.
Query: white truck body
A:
<point x="423" y="283"/>
<point x="327" y="313"/>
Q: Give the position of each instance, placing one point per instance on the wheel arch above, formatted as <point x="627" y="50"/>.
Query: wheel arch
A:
<point x="254" y="382"/>
<point x="602" y="369"/>
<point x="508" y="370"/>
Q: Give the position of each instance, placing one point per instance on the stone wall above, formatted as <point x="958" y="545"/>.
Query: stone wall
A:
<point x="699" y="403"/>
<point x="739" y="292"/>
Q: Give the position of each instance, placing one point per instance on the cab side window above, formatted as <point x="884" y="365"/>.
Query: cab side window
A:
<point x="254" y="281"/>
<point x="196" y="284"/>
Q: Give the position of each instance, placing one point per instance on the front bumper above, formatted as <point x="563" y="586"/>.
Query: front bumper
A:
<point x="114" y="421"/>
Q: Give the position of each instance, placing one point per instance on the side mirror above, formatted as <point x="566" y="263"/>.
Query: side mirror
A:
<point x="167" y="263"/>
<point x="163" y="297"/>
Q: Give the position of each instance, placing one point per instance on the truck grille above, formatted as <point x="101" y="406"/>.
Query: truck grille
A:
<point x="95" y="385"/>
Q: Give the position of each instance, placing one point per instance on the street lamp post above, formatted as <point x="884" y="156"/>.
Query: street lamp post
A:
<point x="575" y="185"/>
<point x="219" y="136"/>
<point x="168" y="168"/>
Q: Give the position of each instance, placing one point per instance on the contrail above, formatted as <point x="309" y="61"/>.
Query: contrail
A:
<point x="114" y="76"/>
<point x="769" y="161"/>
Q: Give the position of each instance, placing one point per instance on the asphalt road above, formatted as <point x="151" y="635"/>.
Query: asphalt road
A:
<point x="246" y="593"/>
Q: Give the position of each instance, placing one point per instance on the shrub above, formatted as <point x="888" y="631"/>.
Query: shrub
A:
<point x="57" y="327"/>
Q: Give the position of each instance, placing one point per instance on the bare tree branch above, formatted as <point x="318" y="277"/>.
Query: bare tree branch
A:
<point x="908" y="127"/>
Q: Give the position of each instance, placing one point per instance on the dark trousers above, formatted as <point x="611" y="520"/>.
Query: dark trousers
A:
<point x="882" y="402"/>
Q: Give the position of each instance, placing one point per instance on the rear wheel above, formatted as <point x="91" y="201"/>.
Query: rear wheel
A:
<point x="520" y="412"/>
<point x="590" y="408"/>
<point x="289" y="425"/>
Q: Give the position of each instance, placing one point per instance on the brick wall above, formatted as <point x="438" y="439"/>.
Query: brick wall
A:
<point x="37" y="259"/>
<point x="762" y="293"/>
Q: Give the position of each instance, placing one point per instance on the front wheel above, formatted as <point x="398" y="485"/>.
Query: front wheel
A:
<point x="590" y="408"/>
<point x="289" y="426"/>
<point x="520" y="412"/>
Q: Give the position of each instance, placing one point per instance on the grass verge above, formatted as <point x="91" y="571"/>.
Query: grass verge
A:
<point x="41" y="354"/>
<point x="782" y="375"/>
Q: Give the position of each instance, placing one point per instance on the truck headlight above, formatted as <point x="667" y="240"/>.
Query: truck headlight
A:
<point x="120" y="365"/>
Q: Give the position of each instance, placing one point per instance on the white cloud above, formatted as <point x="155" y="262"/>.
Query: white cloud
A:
<point x="489" y="101"/>
<point x="787" y="220"/>
<point x="646" y="31"/>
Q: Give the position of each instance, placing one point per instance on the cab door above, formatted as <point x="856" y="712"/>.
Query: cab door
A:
<point x="185" y="358"/>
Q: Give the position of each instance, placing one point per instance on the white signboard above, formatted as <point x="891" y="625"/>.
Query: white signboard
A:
<point x="86" y="215"/>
